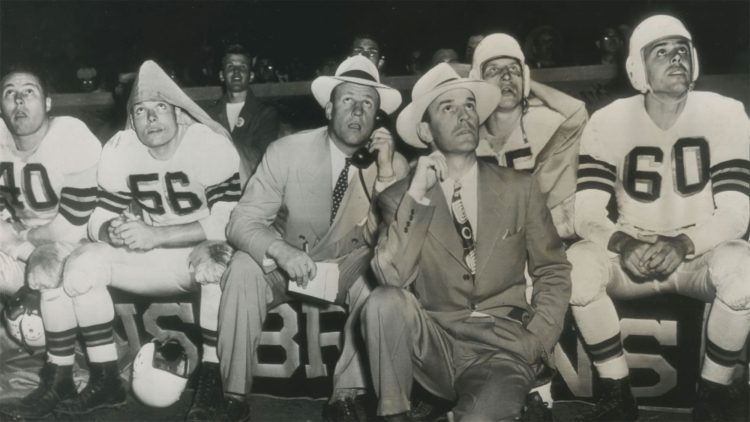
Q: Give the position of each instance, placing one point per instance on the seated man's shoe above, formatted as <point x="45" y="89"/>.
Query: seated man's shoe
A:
<point x="615" y="403"/>
<point x="713" y="402"/>
<point x="104" y="390"/>
<point x="536" y="410"/>
<point x="208" y="401"/>
<point x="345" y="410"/>
<point x="236" y="409"/>
<point x="55" y="384"/>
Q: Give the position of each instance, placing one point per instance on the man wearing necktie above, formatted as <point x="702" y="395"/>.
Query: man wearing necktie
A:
<point x="308" y="203"/>
<point x="451" y="310"/>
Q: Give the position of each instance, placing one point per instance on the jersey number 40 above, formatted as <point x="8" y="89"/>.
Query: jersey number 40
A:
<point x="36" y="187"/>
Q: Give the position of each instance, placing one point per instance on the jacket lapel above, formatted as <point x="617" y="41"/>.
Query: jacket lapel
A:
<point x="222" y="112"/>
<point x="316" y="176"/>
<point x="443" y="227"/>
<point x="491" y="210"/>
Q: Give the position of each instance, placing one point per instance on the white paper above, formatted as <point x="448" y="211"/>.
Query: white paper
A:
<point x="324" y="286"/>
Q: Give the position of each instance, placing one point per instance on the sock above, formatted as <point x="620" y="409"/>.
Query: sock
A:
<point x="95" y="313"/>
<point x="60" y="326"/>
<point x="209" y="320"/>
<point x="100" y="342"/>
<point x="600" y="329"/>
<point x="726" y="334"/>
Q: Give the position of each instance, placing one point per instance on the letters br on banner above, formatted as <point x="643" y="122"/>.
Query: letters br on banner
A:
<point x="300" y="346"/>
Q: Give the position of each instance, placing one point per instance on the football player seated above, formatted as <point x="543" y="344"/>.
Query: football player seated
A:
<point x="676" y="162"/>
<point x="533" y="128"/>
<point x="167" y="183"/>
<point x="47" y="193"/>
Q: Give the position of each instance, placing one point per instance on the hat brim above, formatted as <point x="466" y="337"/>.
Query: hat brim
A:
<point x="487" y="97"/>
<point x="322" y="87"/>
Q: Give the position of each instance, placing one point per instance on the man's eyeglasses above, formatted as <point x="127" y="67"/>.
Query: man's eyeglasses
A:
<point x="492" y="70"/>
<point x="370" y="52"/>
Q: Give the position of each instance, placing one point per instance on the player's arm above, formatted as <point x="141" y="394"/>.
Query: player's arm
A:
<point x="137" y="235"/>
<point x="730" y="185"/>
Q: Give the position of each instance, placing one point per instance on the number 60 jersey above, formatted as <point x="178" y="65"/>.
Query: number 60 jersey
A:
<point x="693" y="178"/>
<point x="54" y="185"/>
<point x="200" y="182"/>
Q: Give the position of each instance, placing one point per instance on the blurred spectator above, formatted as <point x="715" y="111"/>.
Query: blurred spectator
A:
<point x="366" y="45"/>
<point x="471" y="45"/>
<point x="415" y="66"/>
<point x="543" y="47"/>
<point x="252" y="123"/>
<point x="327" y="67"/>
<point x="88" y="79"/>
<point x="265" y="71"/>
<point x="611" y="46"/>
<point x="444" y="55"/>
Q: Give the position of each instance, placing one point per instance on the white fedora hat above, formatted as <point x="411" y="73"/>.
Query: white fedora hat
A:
<point x="438" y="80"/>
<point x="358" y="70"/>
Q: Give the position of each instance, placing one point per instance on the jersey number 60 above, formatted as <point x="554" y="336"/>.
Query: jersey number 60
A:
<point x="690" y="169"/>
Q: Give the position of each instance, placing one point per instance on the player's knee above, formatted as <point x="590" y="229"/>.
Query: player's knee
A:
<point x="590" y="272"/>
<point x="45" y="265"/>
<point x="87" y="266"/>
<point x="208" y="261"/>
<point x="729" y="267"/>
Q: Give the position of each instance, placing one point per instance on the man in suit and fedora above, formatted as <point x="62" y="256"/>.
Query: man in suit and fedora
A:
<point x="308" y="203"/>
<point x="456" y="236"/>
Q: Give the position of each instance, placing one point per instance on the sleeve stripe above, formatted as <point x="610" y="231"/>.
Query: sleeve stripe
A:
<point x="72" y="217"/>
<point x="731" y="174"/>
<point x="587" y="159"/>
<point x="731" y="186"/>
<point x="738" y="165"/>
<point x="79" y="192"/>
<point x="596" y="185"/>
<point x="78" y="204"/>
<point x="596" y="173"/>
<point x="116" y="202"/>
<point x="227" y="191"/>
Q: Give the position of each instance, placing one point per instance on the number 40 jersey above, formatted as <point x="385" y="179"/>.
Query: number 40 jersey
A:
<point x="693" y="178"/>
<point x="200" y="182"/>
<point x="55" y="184"/>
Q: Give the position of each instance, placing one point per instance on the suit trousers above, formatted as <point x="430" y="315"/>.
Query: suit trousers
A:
<point x="404" y="343"/>
<point x="247" y="295"/>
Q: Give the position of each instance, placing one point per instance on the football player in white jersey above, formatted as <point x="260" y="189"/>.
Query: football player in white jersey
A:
<point x="167" y="183"/>
<point x="676" y="162"/>
<point x="534" y="127"/>
<point x="47" y="175"/>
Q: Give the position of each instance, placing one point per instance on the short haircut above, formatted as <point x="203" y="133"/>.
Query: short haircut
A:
<point x="31" y="70"/>
<point x="363" y="36"/>
<point x="238" y="49"/>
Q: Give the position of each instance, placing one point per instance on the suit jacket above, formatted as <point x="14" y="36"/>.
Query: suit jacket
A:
<point x="419" y="247"/>
<point x="290" y="198"/>
<point x="259" y="127"/>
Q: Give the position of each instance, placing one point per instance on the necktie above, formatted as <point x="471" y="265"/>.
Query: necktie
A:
<point x="340" y="189"/>
<point x="464" y="229"/>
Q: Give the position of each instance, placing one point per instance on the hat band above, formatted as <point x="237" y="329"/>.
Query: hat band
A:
<point x="360" y="74"/>
<point x="446" y="81"/>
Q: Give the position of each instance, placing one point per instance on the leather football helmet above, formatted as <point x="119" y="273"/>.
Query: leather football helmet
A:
<point x="161" y="370"/>
<point x="23" y="318"/>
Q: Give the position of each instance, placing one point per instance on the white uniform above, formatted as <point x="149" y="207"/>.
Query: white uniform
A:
<point x="520" y="152"/>
<point x="691" y="179"/>
<point x="54" y="186"/>
<point x="199" y="183"/>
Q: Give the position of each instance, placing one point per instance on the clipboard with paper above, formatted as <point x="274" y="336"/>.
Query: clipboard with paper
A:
<point x="324" y="287"/>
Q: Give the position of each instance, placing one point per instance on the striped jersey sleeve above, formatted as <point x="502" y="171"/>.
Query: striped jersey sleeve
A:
<point x="228" y="190"/>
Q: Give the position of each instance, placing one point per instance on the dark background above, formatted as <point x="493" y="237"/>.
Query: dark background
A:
<point x="115" y="36"/>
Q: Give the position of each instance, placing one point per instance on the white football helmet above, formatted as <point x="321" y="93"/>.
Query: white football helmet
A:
<point x="495" y="46"/>
<point x="652" y="29"/>
<point x="161" y="370"/>
<point x="23" y="318"/>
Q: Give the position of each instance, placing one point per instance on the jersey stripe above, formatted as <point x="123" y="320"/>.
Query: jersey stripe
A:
<point x="116" y="202"/>
<point x="77" y="204"/>
<point x="731" y="175"/>
<point x="227" y="191"/>
<point x="595" y="174"/>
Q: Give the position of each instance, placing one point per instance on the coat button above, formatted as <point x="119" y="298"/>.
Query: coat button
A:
<point x="525" y="318"/>
<point x="467" y="277"/>
<point x="473" y="306"/>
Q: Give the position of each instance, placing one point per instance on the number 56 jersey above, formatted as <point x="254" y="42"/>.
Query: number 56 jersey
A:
<point x="200" y="182"/>
<point x="692" y="178"/>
